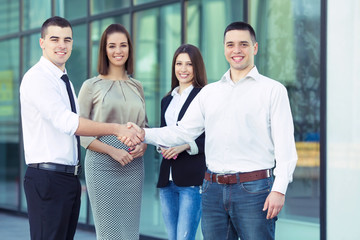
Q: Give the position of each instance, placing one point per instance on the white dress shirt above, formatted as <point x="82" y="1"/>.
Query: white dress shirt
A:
<point x="47" y="120"/>
<point x="248" y="125"/>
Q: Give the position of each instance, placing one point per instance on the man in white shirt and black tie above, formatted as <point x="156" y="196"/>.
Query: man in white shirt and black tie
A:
<point x="50" y="126"/>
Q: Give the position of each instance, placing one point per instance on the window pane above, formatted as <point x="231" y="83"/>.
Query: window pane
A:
<point x="9" y="124"/>
<point x="9" y="17"/>
<point x="31" y="51"/>
<point x="342" y="120"/>
<point x="35" y="13"/>
<point x="289" y="43"/>
<point x="97" y="29"/>
<point x="71" y="9"/>
<point x="288" y="33"/>
<point x="77" y="63"/>
<point x="138" y="2"/>
<point x="156" y="37"/>
<point x="100" y="6"/>
<point x="206" y="31"/>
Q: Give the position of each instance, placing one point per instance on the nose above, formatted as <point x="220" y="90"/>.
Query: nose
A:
<point x="237" y="49"/>
<point x="183" y="67"/>
<point x="118" y="49"/>
<point x="62" y="44"/>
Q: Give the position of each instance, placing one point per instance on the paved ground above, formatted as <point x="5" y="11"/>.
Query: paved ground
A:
<point x="14" y="227"/>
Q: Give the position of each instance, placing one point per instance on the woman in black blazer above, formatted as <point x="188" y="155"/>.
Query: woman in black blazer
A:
<point x="183" y="167"/>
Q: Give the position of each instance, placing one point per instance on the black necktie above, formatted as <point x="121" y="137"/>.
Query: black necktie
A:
<point x="73" y="108"/>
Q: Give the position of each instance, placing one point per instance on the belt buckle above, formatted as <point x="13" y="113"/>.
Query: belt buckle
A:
<point x="217" y="177"/>
<point x="268" y="173"/>
<point x="76" y="171"/>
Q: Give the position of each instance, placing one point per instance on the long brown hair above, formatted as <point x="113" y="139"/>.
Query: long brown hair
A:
<point x="103" y="61"/>
<point x="200" y="79"/>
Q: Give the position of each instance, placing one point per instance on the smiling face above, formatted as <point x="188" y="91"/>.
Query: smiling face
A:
<point x="240" y="50"/>
<point x="117" y="49"/>
<point x="57" y="45"/>
<point x="184" y="69"/>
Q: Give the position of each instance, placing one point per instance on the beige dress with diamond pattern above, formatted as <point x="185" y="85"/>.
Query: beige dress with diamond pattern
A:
<point x="114" y="191"/>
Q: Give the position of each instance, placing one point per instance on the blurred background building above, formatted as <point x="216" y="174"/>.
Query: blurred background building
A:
<point x="311" y="46"/>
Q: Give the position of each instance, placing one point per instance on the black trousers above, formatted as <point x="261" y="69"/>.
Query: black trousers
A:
<point x="53" y="201"/>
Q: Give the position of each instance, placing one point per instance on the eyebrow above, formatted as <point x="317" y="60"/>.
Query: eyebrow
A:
<point x="240" y="42"/>
<point x="55" y="37"/>
<point x="235" y="41"/>
<point x="179" y="61"/>
<point x="115" y="43"/>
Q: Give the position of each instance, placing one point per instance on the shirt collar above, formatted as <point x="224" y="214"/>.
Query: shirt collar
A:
<point x="186" y="91"/>
<point x="52" y="68"/>
<point x="253" y="74"/>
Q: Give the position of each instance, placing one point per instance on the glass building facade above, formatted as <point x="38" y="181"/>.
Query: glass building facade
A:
<point x="292" y="40"/>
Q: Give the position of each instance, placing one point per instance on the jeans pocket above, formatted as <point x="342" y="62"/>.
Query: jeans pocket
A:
<point x="258" y="186"/>
<point x="205" y="186"/>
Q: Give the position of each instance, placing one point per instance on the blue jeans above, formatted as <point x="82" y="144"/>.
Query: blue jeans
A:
<point x="181" y="210"/>
<point x="232" y="211"/>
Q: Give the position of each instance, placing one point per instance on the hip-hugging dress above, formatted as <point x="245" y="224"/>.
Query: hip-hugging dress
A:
<point x="114" y="190"/>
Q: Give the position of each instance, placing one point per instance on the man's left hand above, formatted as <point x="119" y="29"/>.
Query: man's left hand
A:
<point x="274" y="203"/>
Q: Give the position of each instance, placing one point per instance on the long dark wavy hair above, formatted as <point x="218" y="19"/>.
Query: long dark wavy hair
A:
<point x="200" y="79"/>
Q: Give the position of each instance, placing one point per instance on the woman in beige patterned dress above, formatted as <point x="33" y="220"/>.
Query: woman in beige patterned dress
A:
<point x="114" y="173"/>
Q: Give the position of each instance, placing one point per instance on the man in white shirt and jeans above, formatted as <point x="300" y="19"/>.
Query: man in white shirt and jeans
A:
<point x="50" y="123"/>
<point x="249" y="128"/>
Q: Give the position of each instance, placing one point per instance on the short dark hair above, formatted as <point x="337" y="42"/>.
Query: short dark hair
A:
<point x="103" y="61"/>
<point x="241" y="26"/>
<point x="54" y="21"/>
<point x="200" y="79"/>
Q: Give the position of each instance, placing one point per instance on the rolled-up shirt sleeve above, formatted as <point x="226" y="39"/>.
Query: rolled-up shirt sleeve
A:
<point x="193" y="148"/>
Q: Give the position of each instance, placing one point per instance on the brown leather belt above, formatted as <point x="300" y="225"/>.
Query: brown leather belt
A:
<point x="232" y="178"/>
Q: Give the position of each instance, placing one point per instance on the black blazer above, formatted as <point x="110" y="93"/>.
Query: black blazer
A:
<point x="186" y="170"/>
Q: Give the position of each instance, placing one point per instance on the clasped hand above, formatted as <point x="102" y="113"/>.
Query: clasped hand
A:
<point x="132" y="135"/>
<point x="173" y="152"/>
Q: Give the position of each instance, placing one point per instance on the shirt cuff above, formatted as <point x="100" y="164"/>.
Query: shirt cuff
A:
<point x="73" y="123"/>
<point x="280" y="185"/>
<point x="193" y="148"/>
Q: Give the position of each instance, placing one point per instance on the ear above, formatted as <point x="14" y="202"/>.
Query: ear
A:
<point x="256" y="47"/>
<point x="41" y="42"/>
